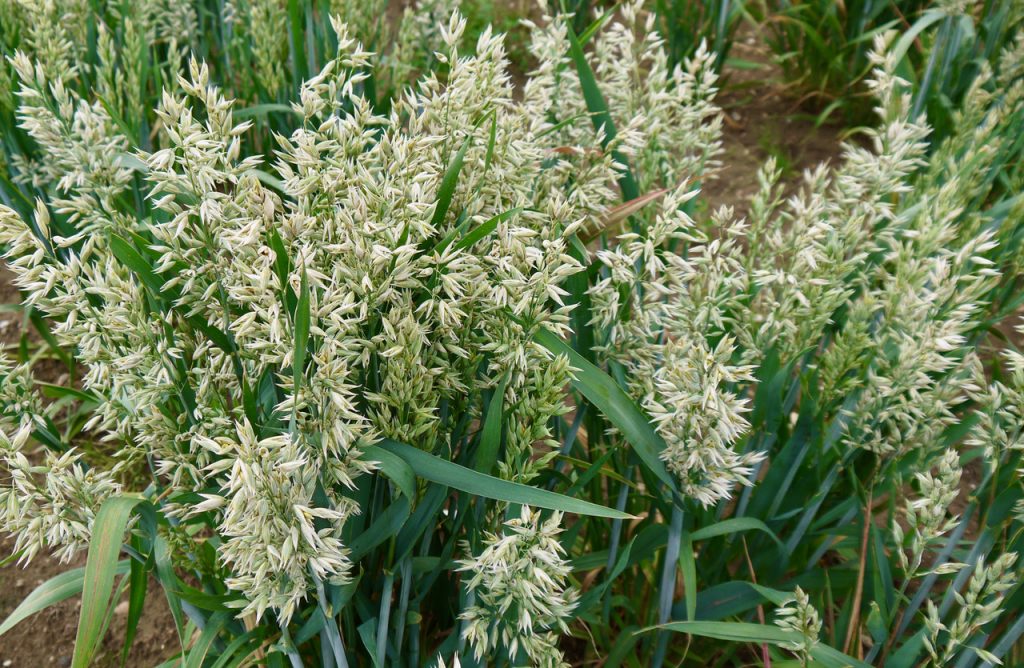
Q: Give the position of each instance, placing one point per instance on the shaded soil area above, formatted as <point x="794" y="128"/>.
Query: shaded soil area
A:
<point x="763" y="119"/>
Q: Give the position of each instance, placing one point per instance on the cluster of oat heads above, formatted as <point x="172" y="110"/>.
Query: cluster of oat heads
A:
<point x="798" y="616"/>
<point x="51" y="503"/>
<point x="403" y="312"/>
<point x="518" y="591"/>
<point x="250" y="325"/>
<point x="425" y="316"/>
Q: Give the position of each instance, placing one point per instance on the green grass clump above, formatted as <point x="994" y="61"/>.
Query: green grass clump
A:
<point x="823" y="48"/>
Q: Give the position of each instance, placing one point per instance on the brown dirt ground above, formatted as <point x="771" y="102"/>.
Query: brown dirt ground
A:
<point x="48" y="638"/>
<point x="763" y="119"/>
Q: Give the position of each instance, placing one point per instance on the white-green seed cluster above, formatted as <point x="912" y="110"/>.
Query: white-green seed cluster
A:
<point x="519" y="592"/>
<point x="248" y="326"/>
<point x="798" y="616"/>
<point x="402" y="315"/>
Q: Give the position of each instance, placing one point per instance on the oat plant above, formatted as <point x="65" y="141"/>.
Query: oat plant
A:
<point x="467" y="372"/>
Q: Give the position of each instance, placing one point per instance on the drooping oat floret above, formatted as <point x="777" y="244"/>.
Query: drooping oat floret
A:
<point x="800" y="617"/>
<point x="680" y="365"/>
<point x="979" y="604"/>
<point x="666" y="120"/>
<point x="520" y="592"/>
<point x="700" y="419"/>
<point x="928" y="515"/>
<point x="260" y="27"/>
<point x="49" y="500"/>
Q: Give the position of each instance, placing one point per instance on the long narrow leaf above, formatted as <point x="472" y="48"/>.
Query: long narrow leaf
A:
<point x="600" y="116"/>
<point x="734" y="525"/>
<point x="129" y="257"/>
<point x="302" y="318"/>
<point x="201" y="648"/>
<point x="485" y="228"/>
<point x="446" y="191"/>
<point x="137" y="583"/>
<point x="395" y="469"/>
<point x="761" y="633"/>
<point x="490" y="438"/>
<point x="453" y="475"/>
<point x="100" y="569"/>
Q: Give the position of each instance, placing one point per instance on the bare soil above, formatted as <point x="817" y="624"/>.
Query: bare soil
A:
<point x="763" y="119"/>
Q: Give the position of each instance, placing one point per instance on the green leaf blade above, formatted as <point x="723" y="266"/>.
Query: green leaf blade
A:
<point x="302" y="322"/>
<point x="449" y="474"/>
<point x="53" y="591"/>
<point x="100" y="569"/>
<point x="133" y="260"/>
<point x="446" y="191"/>
<point x="600" y="115"/>
<point x="490" y="439"/>
<point x="615" y="404"/>
<point x="734" y="525"/>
